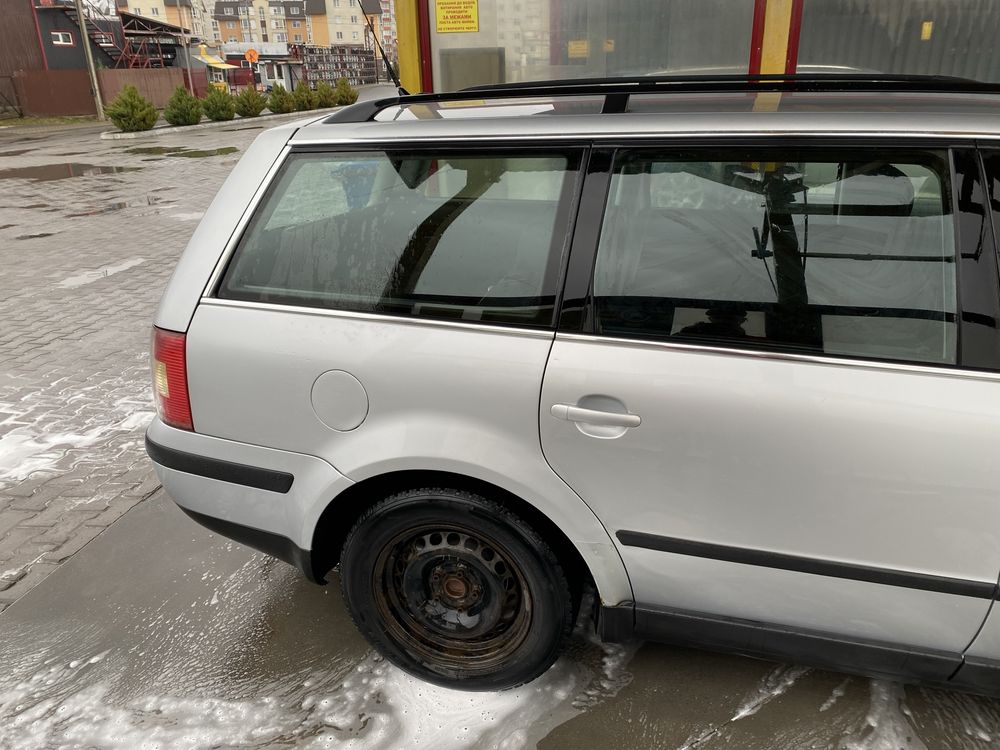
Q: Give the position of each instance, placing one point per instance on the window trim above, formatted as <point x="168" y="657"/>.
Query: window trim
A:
<point x="577" y="310"/>
<point x="55" y="43"/>
<point x="566" y="214"/>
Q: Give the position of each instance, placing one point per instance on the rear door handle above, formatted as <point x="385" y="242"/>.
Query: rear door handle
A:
<point x="593" y="416"/>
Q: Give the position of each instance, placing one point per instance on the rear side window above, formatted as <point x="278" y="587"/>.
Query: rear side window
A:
<point x="848" y="253"/>
<point x="474" y="237"/>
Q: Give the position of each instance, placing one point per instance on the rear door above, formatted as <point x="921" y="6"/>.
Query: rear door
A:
<point x="778" y="391"/>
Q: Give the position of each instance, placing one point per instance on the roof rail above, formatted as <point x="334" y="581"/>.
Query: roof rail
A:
<point x="616" y="91"/>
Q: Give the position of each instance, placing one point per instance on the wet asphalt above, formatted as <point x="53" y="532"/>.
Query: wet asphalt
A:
<point x="160" y="634"/>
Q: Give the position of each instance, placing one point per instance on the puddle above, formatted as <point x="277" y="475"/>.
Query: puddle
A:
<point x="159" y="151"/>
<point x="200" y="154"/>
<point x="146" y="200"/>
<point x="16" y="153"/>
<point x="60" y="171"/>
<point x="155" y="150"/>
<point x="33" y="236"/>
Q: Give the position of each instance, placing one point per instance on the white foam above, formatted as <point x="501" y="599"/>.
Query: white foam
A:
<point x="377" y="707"/>
<point x="886" y="726"/>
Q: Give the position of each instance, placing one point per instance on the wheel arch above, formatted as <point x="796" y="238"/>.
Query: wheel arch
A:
<point x="343" y="511"/>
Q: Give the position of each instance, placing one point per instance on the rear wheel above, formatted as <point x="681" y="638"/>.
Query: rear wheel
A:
<point x="456" y="589"/>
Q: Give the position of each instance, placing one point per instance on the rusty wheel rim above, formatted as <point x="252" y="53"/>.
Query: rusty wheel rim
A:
<point x="454" y="598"/>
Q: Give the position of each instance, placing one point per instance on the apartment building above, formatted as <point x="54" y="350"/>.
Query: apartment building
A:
<point x="194" y="15"/>
<point x="315" y="22"/>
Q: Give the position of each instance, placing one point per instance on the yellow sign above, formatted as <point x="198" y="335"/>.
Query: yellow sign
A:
<point x="609" y="45"/>
<point x="251" y="55"/>
<point x="457" y="16"/>
<point x="926" y="29"/>
<point x="579" y="48"/>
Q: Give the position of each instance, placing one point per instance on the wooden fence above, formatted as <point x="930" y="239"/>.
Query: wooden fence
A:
<point x="67" y="92"/>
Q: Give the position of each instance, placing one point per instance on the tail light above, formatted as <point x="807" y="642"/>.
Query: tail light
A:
<point x="170" y="379"/>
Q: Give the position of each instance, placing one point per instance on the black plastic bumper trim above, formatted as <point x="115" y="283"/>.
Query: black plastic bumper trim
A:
<point x="811" y="565"/>
<point x="214" y="468"/>
<point x="271" y="544"/>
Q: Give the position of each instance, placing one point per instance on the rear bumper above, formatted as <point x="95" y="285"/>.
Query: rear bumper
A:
<point x="270" y="544"/>
<point x="268" y="499"/>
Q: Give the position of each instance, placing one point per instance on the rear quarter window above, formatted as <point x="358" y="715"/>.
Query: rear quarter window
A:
<point x="466" y="236"/>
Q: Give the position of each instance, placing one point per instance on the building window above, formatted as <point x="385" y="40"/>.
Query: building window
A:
<point x="228" y="11"/>
<point x="340" y="35"/>
<point x="275" y="10"/>
<point x="338" y="19"/>
<point x="294" y="11"/>
<point x="354" y="35"/>
<point x="262" y="12"/>
<point x="62" y="38"/>
<point x="154" y="11"/>
<point x="277" y="24"/>
<point x="233" y="39"/>
<point x="215" y="24"/>
<point x="218" y="36"/>
<point x="298" y="37"/>
<point x="281" y="37"/>
<point x="354" y="19"/>
<point x="230" y="24"/>
<point x="336" y="3"/>
<point x="296" y="24"/>
<point x="137" y="11"/>
<point x="244" y="23"/>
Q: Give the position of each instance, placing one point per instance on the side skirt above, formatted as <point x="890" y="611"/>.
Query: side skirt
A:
<point x="813" y="648"/>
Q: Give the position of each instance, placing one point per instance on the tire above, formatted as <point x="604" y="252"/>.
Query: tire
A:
<point x="455" y="589"/>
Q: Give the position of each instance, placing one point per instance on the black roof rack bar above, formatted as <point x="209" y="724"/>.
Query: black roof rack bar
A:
<point x="617" y="90"/>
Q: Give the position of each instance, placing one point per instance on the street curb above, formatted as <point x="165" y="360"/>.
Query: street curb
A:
<point x="115" y="135"/>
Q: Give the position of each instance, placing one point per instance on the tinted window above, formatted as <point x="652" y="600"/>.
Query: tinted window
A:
<point x="849" y="254"/>
<point x="470" y="237"/>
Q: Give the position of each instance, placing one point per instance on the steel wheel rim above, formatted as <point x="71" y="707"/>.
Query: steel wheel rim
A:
<point x="454" y="598"/>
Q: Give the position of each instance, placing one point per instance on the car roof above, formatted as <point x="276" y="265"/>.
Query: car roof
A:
<point x="644" y="107"/>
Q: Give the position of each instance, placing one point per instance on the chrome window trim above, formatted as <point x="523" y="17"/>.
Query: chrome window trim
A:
<point x="940" y="371"/>
<point x="325" y="312"/>
<point x="248" y="213"/>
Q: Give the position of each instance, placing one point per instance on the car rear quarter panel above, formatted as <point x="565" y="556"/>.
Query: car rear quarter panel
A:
<point x="444" y="397"/>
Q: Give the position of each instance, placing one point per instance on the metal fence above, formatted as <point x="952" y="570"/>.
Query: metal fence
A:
<point x="929" y="37"/>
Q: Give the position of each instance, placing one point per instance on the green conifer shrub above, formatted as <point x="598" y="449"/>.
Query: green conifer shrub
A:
<point x="250" y="102"/>
<point x="130" y="112"/>
<point x="346" y="93"/>
<point x="305" y="98"/>
<point x="326" y="96"/>
<point x="218" y="105"/>
<point x="280" y="101"/>
<point x="183" y="108"/>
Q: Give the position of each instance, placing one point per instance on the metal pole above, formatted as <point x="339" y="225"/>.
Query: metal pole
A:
<point x="85" y="41"/>
<point x="187" y="55"/>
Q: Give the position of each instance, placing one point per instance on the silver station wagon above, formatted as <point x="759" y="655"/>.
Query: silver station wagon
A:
<point x="724" y="351"/>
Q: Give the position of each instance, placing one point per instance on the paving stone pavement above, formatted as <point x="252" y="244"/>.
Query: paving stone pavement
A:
<point x="84" y="260"/>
